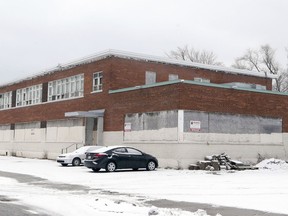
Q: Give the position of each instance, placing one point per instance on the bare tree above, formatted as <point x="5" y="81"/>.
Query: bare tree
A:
<point x="283" y="77"/>
<point x="264" y="60"/>
<point x="268" y="58"/>
<point x="249" y="61"/>
<point x="281" y="83"/>
<point x="190" y="54"/>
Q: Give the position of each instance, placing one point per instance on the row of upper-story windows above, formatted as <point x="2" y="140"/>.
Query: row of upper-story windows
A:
<point x="150" y="78"/>
<point x="69" y="87"/>
<point x="29" y="96"/>
<point x="66" y="88"/>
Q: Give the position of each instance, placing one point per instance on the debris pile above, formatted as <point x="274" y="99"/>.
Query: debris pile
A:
<point x="218" y="162"/>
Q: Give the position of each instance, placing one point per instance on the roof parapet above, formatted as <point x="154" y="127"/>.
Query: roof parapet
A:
<point x="145" y="57"/>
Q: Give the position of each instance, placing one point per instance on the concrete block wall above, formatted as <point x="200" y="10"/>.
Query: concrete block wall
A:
<point x="180" y="155"/>
<point x="174" y="154"/>
<point x="41" y="142"/>
<point x="184" y="147"/>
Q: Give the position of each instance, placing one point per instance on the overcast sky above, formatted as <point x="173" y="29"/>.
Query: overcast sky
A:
<point x="40" y="34"/>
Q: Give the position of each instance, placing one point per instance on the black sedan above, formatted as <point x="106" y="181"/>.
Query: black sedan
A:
<point x="119" y="157"/>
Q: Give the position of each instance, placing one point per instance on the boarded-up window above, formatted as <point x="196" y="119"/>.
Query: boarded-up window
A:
<point x="150" y="77"/>
<point x="173" y="77"/>
<point x="27" y="132"/>
<point x="232" y="124"/>
<point x="68" y="130"/>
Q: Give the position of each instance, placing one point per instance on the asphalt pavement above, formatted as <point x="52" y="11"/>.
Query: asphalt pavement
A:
<point x="8" y="207"/>
<point x="210" y="209"/>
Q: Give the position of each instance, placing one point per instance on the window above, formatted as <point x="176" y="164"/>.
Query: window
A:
<point x="28" y="96"/>
<point x="133" y="151"/>
<point x="66" y="88"/>
<point x="120" y="150"/>
<point x="173" y="77"/>
<point x="199" y="79"/>
<point x="4" y="127"/>
<point x="150" y="77"/>
<point x="30" y="125"/>
<point x="97" y="81"/>
<point x="6" y="100"/>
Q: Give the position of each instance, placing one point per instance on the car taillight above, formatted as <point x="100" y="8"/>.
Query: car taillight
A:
<point x="99" y="155"/>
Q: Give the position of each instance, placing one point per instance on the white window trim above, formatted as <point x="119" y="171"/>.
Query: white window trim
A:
<point x="200" y="79"/>
<point x="6" y="100"/>
<point x="66" y="88"/>
<point x="99" y="82"/>
<point x="28" y="96"/>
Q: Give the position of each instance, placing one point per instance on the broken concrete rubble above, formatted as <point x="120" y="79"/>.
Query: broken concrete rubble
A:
<point x="218" y="162"/>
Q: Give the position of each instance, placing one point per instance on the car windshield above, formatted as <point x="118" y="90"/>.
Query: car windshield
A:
<point x="84" y="149"/>
<point x="103" y="149"/>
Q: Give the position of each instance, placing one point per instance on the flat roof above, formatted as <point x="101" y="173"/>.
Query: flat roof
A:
<point x="143" y="57"/>
<point x="225" y="86"/>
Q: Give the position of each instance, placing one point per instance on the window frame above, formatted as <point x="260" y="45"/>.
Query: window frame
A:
<point x="6" y="100"/>
<point x="133" y="151"/>
<point x="97" y="82"/>
<point x="66" y="88"/>
<point x="200" y="79"/>
<point x="29" y="95"/>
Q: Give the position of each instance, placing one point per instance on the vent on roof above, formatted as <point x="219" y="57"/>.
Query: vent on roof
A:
<point x="246" y="85"/>
<point x="199" y="79"/>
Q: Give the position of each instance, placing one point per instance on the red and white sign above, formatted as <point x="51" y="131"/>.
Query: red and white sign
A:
<point x="127" y="126"/>
<point x="195" y="126"/>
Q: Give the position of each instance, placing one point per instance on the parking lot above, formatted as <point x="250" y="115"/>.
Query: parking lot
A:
<point x="51" y="188"/>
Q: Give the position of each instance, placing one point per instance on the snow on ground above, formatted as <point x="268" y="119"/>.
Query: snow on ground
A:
<point x="125" y="191"/>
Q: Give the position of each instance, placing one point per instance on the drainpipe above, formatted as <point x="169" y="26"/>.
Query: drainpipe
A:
<point x="100" y="126"/>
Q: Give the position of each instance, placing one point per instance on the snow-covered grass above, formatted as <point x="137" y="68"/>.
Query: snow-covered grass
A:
<point x="124" y="192"/>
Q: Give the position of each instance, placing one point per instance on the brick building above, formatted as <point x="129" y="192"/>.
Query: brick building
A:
<point x="179" y="111"/>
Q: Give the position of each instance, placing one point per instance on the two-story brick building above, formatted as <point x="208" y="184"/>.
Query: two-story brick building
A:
<point x="179" y="111"/>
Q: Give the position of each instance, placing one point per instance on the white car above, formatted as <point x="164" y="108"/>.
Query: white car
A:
<point x="76" y="157"/>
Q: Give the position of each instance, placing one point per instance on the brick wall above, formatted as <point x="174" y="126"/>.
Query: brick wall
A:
<point x="195" y="97"/>
<point x="87" y="69"/>
<point x="120" y="73"/>
<point x="127" y="73"/>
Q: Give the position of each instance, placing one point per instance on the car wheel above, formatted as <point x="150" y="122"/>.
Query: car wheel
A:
<point x="76" y="162"/>
<point x="95" y="169"/>
<point x="151" y="165"/>
<point x="64" y="164"/>
<point x="111" y="166"/>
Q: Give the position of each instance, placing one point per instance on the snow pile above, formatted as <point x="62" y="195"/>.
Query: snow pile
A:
<point x="175" y="212"/>
<point x="273" y="164"/>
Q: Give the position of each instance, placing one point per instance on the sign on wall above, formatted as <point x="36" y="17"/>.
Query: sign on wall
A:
<point x="195" y="125"/>
<point x="127" y="126"/>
